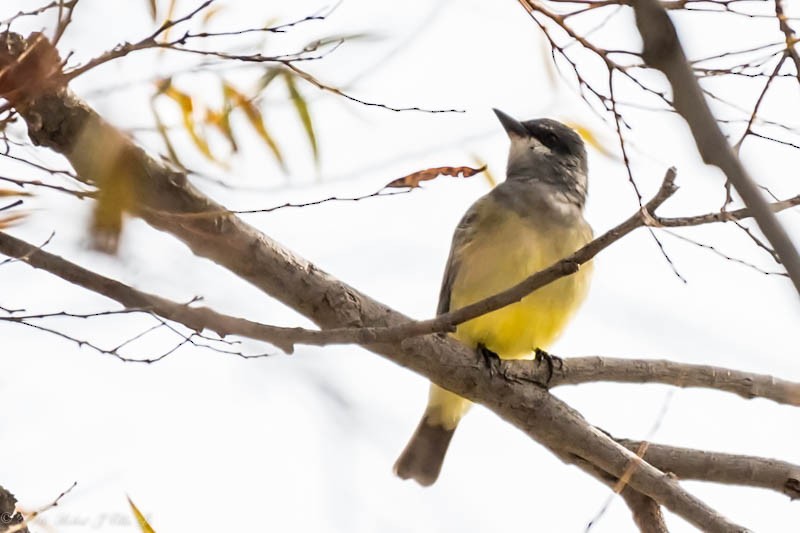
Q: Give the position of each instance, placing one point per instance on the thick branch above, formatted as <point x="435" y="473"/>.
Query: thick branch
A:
<point x="58" y="120"/>
<point x="663" y="51"/>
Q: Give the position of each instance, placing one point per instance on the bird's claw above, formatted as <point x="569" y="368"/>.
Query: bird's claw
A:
<point x="551" y="361"/>
<point x="491" y="360"/>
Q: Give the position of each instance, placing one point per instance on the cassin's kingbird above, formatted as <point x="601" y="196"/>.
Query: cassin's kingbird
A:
<point x="524" y="225"/>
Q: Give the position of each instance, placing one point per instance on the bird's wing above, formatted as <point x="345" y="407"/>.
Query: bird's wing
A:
<point x="464" y="233"/>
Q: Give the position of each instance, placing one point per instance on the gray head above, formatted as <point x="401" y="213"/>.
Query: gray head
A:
<point x="548" y="151"/>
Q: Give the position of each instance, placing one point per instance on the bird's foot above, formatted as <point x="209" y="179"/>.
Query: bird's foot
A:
<point x="491" y="360"/>
<point x="551" y="361"/>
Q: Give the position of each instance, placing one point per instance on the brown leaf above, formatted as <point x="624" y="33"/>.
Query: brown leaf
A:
<point x="9" y="220"/>
<point x="413" y="180"/>
<point x="29" y="67"/>
<point x="11" y="192"/>
<point x="153" y="9"/>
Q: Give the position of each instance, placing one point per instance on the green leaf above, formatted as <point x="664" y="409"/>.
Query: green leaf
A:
<point x="301" y="106"/>
<point x="269" y="75"/>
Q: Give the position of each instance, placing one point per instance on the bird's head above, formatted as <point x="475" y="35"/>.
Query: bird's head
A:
<point x="545" y="150"/>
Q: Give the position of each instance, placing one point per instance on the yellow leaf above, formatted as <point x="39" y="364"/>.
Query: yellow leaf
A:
<point x="211" y="12"/>
<point x="162" y="130"/>
<point x="140" y="519"/>
<point x="237" y="99"/>
<point x="221" y="121"/>
<point x="486" y="172"/>
<point x="170" y="14"/>
<point x="187" y="113"/>
<point x="591" y="138"/>
<point x="301" y="106"/>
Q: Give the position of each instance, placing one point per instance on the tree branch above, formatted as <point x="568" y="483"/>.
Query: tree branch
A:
<point x="663" y="51"/>
<point x="195" y="318"/>
<point x="576" y="370"/>
<point x="726" y="468"/>
<point x="59" y="120"/>
<point x="571" y="371"/>
<point x="646" y="513"/>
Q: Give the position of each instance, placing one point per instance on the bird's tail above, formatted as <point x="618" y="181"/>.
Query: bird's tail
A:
<point x="422" y="457"/>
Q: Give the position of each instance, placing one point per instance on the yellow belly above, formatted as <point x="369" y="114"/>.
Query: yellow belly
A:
<point x="498" y="258"/>
<point x="512" y="253"/>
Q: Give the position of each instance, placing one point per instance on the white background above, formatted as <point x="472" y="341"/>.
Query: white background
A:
<point x="203" y="441"/>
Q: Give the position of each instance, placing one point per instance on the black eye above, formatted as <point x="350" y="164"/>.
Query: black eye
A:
<point x="550" y="139"/>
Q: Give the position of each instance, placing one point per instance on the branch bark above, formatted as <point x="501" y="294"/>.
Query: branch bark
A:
<point x="57" y="119"/>
<point x="646" y="513"/>
<point x="662" y="50"/>
<point x="576" y="370"/>
<point x="726" y="468"/>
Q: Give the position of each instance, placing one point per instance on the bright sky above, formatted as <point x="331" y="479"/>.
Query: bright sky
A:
<point x="203" y="441"/>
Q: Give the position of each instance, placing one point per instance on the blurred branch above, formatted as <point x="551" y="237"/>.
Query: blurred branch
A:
<point x="30" y="517"/>
<point x="55" y="4"/>
<point x="158" y="40"/>
<point x="663" y="51"/>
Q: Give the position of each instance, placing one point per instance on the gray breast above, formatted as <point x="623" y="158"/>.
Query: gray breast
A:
<point x="543" y="204"/>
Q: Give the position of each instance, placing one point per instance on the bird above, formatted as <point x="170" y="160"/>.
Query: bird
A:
<point x="525" y="224"/>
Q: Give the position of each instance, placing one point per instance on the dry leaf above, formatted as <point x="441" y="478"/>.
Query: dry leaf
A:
<point x="221" y="120"/>
<point x="9" y="220"/>
<point x="187" y="113"/>
<point x="170" y="16"/>
<point x="253" y="114"/>
<point x="11" y="192"/>
<point x="592" y="139"/>
<point x="153" y="9"/>
<point x="413" y="180"/>
<point x="490" y="179"/>
<point x="211" y="12"/>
